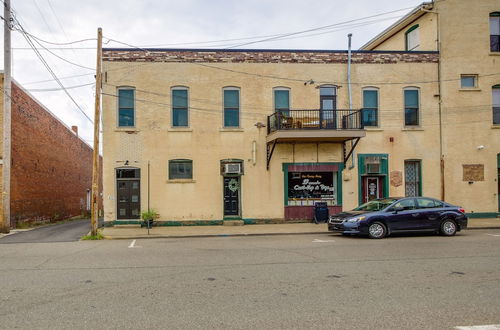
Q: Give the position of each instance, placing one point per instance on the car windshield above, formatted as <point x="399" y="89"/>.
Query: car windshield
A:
<point x="375" y="205"/>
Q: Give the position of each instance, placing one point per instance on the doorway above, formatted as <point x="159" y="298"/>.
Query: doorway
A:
<point x="232" y="190"/>
<point x="328" y="106"/>
<point x="372" y="188"/>
<point x="128" y="193"/>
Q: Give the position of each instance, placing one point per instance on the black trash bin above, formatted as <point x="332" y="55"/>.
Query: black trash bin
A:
<point x="320" y="212"/>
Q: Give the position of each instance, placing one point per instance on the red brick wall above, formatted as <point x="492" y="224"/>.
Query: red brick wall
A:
<point x="51" y="167"/>
<point x="225" y="56"/>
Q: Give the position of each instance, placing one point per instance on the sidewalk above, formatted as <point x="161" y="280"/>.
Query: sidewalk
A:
<point x="247" y="230"/>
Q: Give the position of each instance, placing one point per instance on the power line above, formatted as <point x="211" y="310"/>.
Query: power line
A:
<point x="52" y="72"/>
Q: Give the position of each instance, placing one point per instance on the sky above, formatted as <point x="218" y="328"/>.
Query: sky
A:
<point x="173" y="24"/>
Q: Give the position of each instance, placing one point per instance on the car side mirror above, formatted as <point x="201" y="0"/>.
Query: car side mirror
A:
<point x="397" y="209"/>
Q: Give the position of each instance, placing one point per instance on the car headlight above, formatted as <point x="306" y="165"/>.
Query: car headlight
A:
<point x="356" y="219"/>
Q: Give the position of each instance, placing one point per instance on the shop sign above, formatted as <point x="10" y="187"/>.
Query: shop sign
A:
<point x="311" y="185"/>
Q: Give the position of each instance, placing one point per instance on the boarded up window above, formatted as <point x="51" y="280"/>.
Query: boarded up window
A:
<point x="473" y="172"/>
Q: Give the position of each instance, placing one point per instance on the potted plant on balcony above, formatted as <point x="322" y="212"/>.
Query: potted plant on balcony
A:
<point x="149" y="217"/>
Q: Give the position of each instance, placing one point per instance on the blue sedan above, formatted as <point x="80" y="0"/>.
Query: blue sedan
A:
<point x="381" y="217"/>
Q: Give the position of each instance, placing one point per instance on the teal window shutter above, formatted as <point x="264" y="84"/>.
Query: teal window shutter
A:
<point x="126" y="110"/>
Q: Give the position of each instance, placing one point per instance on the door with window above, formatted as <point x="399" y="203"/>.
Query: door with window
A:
<point x="412" y="178"/>
<point x="372" y="188"/>
<point x="328" y="105"/>
<point x="128" y="193"/>
<point x="232" y="196"/>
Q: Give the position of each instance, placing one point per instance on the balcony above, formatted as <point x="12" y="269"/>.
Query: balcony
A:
<point x="314" y="126"/>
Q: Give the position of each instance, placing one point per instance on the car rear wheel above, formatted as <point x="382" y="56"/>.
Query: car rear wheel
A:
<point x="448" y="227"/>
<point x="377" y="230"/>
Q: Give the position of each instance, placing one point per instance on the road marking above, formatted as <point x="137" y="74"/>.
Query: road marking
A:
<point x="132" y="245"/>
<point x="321" y="241"/>
<point x="480" y="327"/>
<point x="493" y="235"/>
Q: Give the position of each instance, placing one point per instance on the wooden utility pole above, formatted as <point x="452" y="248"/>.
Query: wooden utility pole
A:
<point x="95" y="159"/>
<point x="7" y="93"/>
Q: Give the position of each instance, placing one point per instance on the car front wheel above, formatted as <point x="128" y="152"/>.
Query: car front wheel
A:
<point x="448" y="227"/>
<point x="377" y="230"/>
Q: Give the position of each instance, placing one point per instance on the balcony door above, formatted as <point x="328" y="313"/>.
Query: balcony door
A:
<point x="328" y="105"/>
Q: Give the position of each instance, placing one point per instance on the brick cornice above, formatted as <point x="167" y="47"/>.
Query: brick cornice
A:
<point x="266" y="56"/>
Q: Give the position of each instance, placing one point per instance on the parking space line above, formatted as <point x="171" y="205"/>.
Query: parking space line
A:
<point x="493" y="235"/>
<point x="322" y="241"/>
<point x="480" y="327"/>
<point x="132" y="244"/>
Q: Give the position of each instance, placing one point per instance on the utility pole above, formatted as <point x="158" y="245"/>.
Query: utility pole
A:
<point x="6" y="162"/>
<point x="95" y="159"/>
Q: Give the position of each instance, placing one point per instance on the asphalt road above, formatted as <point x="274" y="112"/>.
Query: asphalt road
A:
<point x="62" y="232"/>
<point x="268" y="282"/>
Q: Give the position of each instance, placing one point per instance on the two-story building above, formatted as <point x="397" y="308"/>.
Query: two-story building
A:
<point x="209" y="135"/>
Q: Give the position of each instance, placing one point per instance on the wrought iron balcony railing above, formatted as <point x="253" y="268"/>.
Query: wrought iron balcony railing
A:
<point x="315" y="120"/>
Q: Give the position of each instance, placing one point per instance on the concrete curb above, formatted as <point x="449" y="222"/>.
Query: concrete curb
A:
<point x="108" y="237"/>
<point x="214" y="235"/>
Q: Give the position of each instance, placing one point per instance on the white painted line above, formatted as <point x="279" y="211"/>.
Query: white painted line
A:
<point x="132" y="244"/>
<point x="480" y="327"/>
<point x="321" y="241"/>
<point x="493" y="235"/>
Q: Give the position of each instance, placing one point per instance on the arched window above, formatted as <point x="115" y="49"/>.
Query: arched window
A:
<point x="180" y="169"/>
<point x="231" y="102"/>
<point x="370" y="106"/>
<point x="180" y="112"/>
<point x="412" y="106"/>
<point x="412" y="38"/>
<point x="496" y="104"/>
<point x="126" y="107"/>
<point x="495" y="32"/>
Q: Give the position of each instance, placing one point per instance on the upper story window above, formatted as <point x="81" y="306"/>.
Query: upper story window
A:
<point x="282" y="100"/>
<point x="370" y="106"/>
<point x="496" y="104"/>
<point x="495" y="32"/>
<point x="180" y="115"/>
<point x="468" y="81"/>
<point x="328" y="97"/>
<point x="412" y="106"/>
<point x="126" y="107"/>
<point x="180" y="169"/>
<point x="412" y="38"/>
<point x="231" y="107"/>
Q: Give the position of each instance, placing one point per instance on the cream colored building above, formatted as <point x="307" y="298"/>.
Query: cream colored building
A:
<point x="258" y="135"/>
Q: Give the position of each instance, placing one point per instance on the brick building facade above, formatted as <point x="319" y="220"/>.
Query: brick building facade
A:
<point x="51" y="166"/>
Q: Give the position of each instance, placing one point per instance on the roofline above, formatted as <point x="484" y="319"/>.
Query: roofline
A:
<point x="211" y="50"/>
<point x="415" y="13"/>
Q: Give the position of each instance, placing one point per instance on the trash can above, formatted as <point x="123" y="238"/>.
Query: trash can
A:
<point x="320" y="212"/>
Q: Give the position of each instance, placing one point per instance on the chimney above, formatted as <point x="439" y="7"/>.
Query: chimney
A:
<point x="75" y="129"/>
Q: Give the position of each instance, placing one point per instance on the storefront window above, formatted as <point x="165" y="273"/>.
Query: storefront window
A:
<point x="306" y="188"/>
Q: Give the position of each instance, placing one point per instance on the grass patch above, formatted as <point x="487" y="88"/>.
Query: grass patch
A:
<point x="89" y="237"/>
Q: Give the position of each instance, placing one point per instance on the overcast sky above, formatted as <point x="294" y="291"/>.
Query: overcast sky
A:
<point x="168" y="23"/>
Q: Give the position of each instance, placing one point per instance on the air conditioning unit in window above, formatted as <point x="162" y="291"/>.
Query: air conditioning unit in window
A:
<point x="234" y="168"/>
<point x="372" y="165"/>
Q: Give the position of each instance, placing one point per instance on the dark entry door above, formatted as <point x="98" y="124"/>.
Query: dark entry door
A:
<point x="372" y="188"/>
<point x="128" y="199"/>
<point x="231" y="196"/>
<point x="328" y="104"/>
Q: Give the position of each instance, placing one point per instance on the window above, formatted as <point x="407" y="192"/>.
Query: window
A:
<point x="495" y="32"/>
<point x="412" y="38"/>
<point x="282" y="100"/>
<point x="427" y="203"/>
<point x="180" y="169"/>
<point x="126" y="107"/>
<point x="468" y="81"/>
<point x="412" y="178"/>
<point x="496" y="104"/>
<point x="370" y="107"/>
<point x="231" y="107"/>
<point x="411" y="106"/>
<point x="180" y="116"/>
<point x="406" y="204"/>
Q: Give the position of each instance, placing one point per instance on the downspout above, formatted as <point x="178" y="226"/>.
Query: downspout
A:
<point x="441" y="152"/>
<point x="349" y="89"/>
